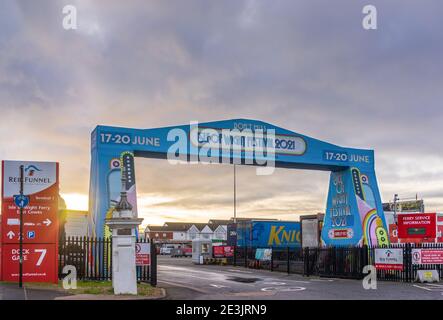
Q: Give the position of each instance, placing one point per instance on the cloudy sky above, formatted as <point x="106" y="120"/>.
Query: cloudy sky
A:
<point x="305" y="65"/>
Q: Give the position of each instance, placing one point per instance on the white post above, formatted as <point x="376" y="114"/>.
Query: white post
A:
<point x="124" y="278"/>
<point x="123" y="225"/>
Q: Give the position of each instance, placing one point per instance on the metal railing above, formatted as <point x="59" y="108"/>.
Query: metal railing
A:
<point x="92" y="259"/>
<point x="337" y="262"/>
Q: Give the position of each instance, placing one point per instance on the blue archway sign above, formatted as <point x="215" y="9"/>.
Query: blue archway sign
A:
<point x="354" y="213"/>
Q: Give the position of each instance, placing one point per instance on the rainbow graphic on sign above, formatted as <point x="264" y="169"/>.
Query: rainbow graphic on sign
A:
<point x="374" y="233"/>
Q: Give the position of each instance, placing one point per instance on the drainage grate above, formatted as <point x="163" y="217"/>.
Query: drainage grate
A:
<point x="243" y="280"/>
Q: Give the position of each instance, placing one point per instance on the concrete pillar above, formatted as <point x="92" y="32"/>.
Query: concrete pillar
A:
<point x="123" y="225"/>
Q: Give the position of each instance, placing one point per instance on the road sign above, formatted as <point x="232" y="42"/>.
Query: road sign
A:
<point x="142" y="254"/>
<point x="41" y="219"/>
<point x="21" y="200"/>
<point x="417" y="225"/>
<point x="389" y="259"/>
<point x="40" y="262"/>
<point x="427" y="256"/>
<point x="29" y="222"/>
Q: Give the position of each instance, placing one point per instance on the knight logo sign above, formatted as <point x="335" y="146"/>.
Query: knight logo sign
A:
<point x="389" y="259"/>
<point x="40" y="220"/>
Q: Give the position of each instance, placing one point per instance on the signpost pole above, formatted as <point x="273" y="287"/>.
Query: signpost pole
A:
<point x="20" y="283"/>
<point x="235" y="195"/>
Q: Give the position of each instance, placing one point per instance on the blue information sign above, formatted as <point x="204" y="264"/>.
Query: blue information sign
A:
<point x="21" y="200"/>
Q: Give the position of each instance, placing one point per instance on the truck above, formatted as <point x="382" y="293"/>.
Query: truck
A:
<point x="266" y="234"/>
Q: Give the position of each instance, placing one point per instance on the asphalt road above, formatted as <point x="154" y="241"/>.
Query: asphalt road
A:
<point x="11" y="291"/>
<point x="184" y="280"/>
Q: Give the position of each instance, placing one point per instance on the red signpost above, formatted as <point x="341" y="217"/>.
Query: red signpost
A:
<point x="39" y="262"/>
<point x="417" y="225"/>
<point x="40" y="222"/>
<point x="223" y="251"/>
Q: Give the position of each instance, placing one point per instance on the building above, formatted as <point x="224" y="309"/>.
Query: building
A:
<point x="180" y="232"/>
<point x="73" y="223"/>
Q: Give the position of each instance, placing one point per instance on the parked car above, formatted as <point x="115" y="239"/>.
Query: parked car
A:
<point x="166" y="249"/>
<point x="177" y="253"/>
<point x="181" y="252"/>
<point x="187" y="252"/>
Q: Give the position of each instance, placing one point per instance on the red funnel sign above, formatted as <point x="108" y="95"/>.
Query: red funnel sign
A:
<point x="40" y="221"/>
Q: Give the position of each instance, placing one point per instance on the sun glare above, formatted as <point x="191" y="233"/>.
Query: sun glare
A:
<point x="76" y="201"/>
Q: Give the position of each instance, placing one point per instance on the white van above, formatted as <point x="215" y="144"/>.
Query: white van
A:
<point x="166" y="249"/>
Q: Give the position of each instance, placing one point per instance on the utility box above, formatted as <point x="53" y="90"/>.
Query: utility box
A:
<point x="311" y="226"/>
<point x="201" y="249"/>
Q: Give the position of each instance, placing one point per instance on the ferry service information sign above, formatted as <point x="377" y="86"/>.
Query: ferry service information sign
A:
<point x="40" y="221"/>
<point x="417" y="225"/>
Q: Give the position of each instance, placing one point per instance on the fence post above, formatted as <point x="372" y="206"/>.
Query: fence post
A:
<point x="364" y="258"/>
<point x="306" y="261"/>
<point x="289" y="264"/>
<point x="407" y="262"/>
<point x="153" y="268"/>
<point x="235" y="255"/>
<point x="334" y="261"/>
<point x="272" y="259"/>
<point x="60" y="253"/>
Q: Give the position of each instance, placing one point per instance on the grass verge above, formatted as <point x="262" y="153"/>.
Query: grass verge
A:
<point x="95" y="288"/>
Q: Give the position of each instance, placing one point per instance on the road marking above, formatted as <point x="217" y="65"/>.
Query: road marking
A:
<point x="271" y="283"/>
<point x="252" y="294"/>
<point x="241" y="271"/>
<point x="283" y="289"/>
<point x="435" y="285"/>
<point x="25" y="292"/>
<point x="203" y="278"/>
<point x="424" y="288"/>
<point x="300" y="281"/>
<point x="218" y="286"/>
<point x="322" y="280"/>
<point x="184" y="285"/>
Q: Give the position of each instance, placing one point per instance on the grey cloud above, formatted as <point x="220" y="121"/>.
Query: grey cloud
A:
<point x="304" y="65"/>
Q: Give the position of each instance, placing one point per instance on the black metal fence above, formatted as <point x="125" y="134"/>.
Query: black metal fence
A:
<point x="287" y="259"/>
<point x="410" y="268"/>
<point x="92" y="259"/>
<point x="337" y="262"/>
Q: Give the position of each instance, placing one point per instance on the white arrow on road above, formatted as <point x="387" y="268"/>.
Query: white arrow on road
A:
<point x="47" y="222"/>
<point x="10" y="235"/>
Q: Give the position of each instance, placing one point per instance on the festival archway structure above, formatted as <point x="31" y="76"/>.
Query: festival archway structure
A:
<point x="354" y="213"/>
